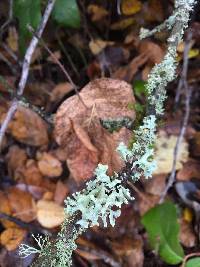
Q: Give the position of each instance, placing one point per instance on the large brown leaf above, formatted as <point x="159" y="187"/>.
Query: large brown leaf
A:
<point x="79" y="131"/>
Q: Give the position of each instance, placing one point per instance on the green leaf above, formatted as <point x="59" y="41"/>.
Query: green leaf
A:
<point x="163" y="229"/>
<point x="195" y="262"/>
<point x="139" y="88"/>
<point x="66" y="13"/>
<point x="28" y="12"/>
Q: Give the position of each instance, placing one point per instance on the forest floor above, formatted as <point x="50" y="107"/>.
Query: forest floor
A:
<point x="40" y="165"/>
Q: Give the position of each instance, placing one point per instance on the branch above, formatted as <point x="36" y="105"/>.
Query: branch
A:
<point x="25" y="69"/>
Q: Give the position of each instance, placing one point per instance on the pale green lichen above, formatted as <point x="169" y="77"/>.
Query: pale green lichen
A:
<point x="25" y="250"/>
<point x="100" y="200"/>
<point x="158" y="79"/>
<point x="142" y="151"/>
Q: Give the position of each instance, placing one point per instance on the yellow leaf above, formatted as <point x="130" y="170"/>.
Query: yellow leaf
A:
<point x="96" y="46"/>
<point x="187" y="215"/>
<point x="122" y="24"/>
<point x="130" y="7"/>
<point x="193" y="53"/>
<point x="97" y="12"/>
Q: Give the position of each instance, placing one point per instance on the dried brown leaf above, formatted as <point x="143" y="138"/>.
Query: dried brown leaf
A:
<point x="11" y="238"/>
<point x="16" y="159"/>
<point x="79" y="131"/>
<point x="22" y="204"/>
<point x="27" y="127"/>
<point x="97" y="12"/>
<point x="130" y="7"/>
<point x="61" y="193"/>
<point x="60" y="91"/>
<point x="191" y="169"/>
<point x="49" y="214"/>
<point x="49" y="165"/>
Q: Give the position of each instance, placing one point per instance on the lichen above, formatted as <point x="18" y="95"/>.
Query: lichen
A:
<point x="101" y="199"/>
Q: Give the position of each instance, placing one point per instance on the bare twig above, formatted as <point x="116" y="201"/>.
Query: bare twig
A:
<point x="8" y="63"/>
<point x="10" y="17"/>
<point x="11" y="54"/>
<point x="25" y="68"/>
<point x="185" y="68"/>
<point x="119" y="7"/>
<point x="182" y="83"/>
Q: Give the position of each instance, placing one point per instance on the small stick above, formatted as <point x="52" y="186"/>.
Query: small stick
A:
<point x="10" y="17"/>
<point x="22" y="224"/>
<point x="25" y="68"/>
<point x="187" y="90"/>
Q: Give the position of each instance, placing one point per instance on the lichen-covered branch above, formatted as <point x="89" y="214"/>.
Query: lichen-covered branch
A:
<point x="101" y="200"/>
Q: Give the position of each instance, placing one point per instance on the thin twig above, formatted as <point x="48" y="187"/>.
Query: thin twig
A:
<point x="41" y="41"/>
<point x="11" y="54"/>
<point x="184" y="71"/>
<point x="10" y="17"/>
<point x="29" y="226"/>
<point x="25" y="68"/>
<point x="8" y="63"/>
<point x="187" y="89"/>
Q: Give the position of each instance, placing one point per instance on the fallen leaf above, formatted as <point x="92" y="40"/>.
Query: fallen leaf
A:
<point x="22" y="204"/>
<point x="127" y="72"/>
<point x="130" y="7"/>
<point x="187" y="215"/>
<point x="153" y="11"/>
<point x="146" y="202"/>
<point x="80" y="133"/>
<point x="122" y="24"/>
<point x="27" y="127"/>
<point x="36" y="191"/>
<point x="191" y="169"/>
<point x="5" y="207"/>
<point x="16" y="159"/>
<point x="97" y="12"/>
<point x="49" y="165"/>
<point x="61" y="192"/>
<point x="59" y="153"/>
<point x="31" y="175"/>
<point x="156" y="185"/>
<point x="12" y="39"/>
<point x="97" y="45"/>
<point x="131" y="250"/>
<point x="187" y="235"/>
<point x="49" y="214"/>
<point x="48" y="196"/>
<point x="154" y="52"/>
<point x="11" y="238"/>
<point x="60" y="91"/>
<point x="164" y="153"/>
